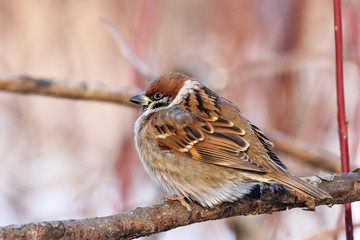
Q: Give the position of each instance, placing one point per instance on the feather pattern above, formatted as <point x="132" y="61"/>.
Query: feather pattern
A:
<point x="268" y="145"/>
<point x="208" y="139"/>
<point x="199" y="145"/>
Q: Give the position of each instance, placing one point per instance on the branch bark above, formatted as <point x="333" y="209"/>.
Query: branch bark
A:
<point x="265" y="199"/>
<point x="69" y="90"/>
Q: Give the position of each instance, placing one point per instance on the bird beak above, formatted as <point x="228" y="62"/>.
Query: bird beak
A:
<point x="140" y="99"/>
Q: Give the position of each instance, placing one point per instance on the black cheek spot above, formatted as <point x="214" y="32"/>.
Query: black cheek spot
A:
<point x="159" y="104"/>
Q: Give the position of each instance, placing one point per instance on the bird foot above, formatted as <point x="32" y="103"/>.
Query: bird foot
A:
<point x="181" y="198"/>
<point x="308" y="200"/>
<point x="310" y="204"/>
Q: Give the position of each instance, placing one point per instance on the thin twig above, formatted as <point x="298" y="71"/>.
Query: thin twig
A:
<point x="265" y="199"/>
<point x="329" y="233"/>
<point x="69" y="90"/>
<point x="342" y="123"/>
<point x="126" y="51"/>
<point x="312" y="156"/>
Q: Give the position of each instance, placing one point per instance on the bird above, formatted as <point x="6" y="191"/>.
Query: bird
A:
<point x="198" y="146"/>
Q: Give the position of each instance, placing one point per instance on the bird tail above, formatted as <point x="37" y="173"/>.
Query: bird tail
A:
<point x="302" y="186"/>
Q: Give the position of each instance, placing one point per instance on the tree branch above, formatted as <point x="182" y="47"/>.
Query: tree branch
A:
<point x="265" y="199"/>
<point x="70" y="90"/>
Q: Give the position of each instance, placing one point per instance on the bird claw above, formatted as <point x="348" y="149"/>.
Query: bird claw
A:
<point x="180" y="198"/>
<point x="309" y="204"/>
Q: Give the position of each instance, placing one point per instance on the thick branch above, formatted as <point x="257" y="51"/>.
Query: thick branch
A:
<point x="70" y="90"/>
<point x="266" y="199"/>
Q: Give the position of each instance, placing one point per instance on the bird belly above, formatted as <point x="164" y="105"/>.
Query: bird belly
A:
<point x="204" y="183"/>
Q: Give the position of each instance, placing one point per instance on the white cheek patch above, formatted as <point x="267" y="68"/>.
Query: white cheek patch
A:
<point x="188" y="88"/>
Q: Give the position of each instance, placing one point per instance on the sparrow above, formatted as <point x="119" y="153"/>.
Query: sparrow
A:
<point x="199" y="146"/>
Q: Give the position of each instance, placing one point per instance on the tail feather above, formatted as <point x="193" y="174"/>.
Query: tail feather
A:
<point x="302" y="186"/>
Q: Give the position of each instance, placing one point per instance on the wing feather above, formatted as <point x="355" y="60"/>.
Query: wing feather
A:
<point x="212" y="140"/>
<point x="268" y="145"/>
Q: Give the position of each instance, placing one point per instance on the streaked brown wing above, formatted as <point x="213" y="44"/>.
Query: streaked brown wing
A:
<point x="213" y="140"/>
<point x="268" y="145"/>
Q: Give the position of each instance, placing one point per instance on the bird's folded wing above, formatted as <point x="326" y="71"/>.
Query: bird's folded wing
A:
<point x="212" y="140"/>
<point x="268" y="145"/>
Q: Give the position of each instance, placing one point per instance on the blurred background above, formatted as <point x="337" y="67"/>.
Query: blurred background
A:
<point x="64" y="159"/>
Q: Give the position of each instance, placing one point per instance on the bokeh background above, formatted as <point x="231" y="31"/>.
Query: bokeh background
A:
<point x="62" y="159"/>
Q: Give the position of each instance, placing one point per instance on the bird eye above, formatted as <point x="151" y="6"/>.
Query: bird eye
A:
<point x="158" y="96"/>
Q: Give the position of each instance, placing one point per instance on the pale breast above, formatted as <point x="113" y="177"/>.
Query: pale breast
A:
<point x="205" y="183"/>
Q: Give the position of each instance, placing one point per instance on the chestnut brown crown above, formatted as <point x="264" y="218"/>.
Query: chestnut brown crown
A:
<point x="168" y="85"/>
<point x="161" y="92"/>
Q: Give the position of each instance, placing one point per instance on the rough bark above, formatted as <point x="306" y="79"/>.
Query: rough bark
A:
<point x="265" y="199"/>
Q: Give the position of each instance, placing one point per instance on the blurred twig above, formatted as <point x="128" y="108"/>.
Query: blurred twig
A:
<point x="171" y="214"/>
<point x="126" y="51"/>
<point x="70" y="90"/>
<point x="312" y="156"/>
<point x="329" y="233"/>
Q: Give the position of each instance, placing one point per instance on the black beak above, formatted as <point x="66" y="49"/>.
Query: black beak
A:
<point x="140" y="99"/>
